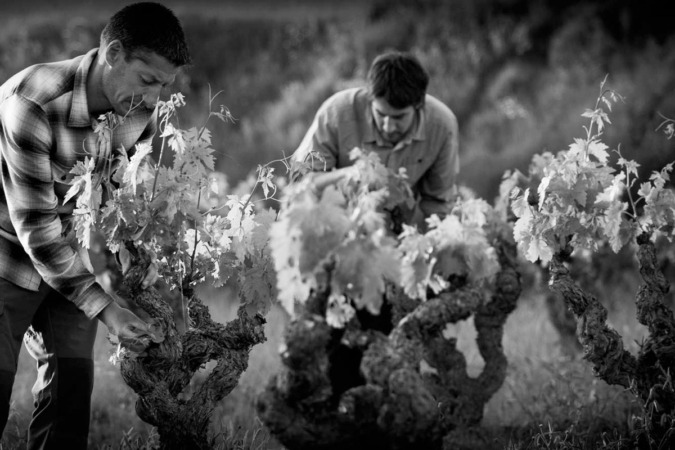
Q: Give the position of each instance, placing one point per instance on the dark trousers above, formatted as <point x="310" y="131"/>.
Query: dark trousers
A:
<point x="61" y="339"/>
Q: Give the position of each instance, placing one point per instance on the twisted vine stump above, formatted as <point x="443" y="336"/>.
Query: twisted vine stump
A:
<point x="160" y="376"/>
<point x="591" y="274"/>
<point x="647" y="375"/>
<point x="561" y="316"/>
<point x="394" y="381"/>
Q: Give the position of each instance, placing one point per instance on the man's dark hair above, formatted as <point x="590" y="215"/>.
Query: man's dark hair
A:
<point x="151" y="27"/>
<point x="399" y="78"/>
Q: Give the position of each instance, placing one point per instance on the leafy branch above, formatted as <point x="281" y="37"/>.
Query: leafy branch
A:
<point x="155" y="209"/>
<point x="346" y="228"/>
<point x="166" y="111"/>
<point x="597" y="115"/>
<point x="579" y="196"/>
<point x="668" y="126"/>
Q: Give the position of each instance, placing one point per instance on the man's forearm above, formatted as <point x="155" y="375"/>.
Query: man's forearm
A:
<point x="321" y="180"/>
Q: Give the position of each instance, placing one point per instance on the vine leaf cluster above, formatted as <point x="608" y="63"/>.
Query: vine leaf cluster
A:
<point x="350" y="224"/>
<point x="577" y="197"/>
<point x="179" y="214"/>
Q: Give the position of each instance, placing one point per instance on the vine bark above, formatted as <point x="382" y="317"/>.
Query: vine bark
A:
<point x="161" y="375"/>
<point x="647" y="375"/>
<point x="393" y="381"/>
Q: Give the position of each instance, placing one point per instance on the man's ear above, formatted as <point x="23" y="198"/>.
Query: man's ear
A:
<point x="114" y="51"/>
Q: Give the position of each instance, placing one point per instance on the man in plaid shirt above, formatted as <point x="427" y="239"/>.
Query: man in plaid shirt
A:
<point x="47" y="113"/>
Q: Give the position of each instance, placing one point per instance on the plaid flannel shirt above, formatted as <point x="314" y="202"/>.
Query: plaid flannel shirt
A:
<point x="45" y="128"/>
<point x="429" y="153"/>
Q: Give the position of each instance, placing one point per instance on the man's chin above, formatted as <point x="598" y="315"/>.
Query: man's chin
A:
<point x="125" y="109"/>
<point x="393" y="140"/>
<point x="119" y="110"/>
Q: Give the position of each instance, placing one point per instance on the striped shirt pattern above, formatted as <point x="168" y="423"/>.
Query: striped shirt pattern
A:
<point x="45" y="128"/>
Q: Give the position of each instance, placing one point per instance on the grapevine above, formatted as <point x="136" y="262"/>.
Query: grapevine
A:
<point x="174" y="219"/>
<point x="577" y="201"/>
<point x="365" y="361"/>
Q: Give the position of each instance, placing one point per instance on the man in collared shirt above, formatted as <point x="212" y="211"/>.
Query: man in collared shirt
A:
<point x="47" y="115"/>
<point x="395" y="118"/>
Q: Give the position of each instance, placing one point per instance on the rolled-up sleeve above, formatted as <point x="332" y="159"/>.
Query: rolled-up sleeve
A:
<point x="26" y="145"/>
<point x="437" y="187"/>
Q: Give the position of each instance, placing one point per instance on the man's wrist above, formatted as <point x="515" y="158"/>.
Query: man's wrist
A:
<point x="105" y="314"/>
<point x="93" y="300"/>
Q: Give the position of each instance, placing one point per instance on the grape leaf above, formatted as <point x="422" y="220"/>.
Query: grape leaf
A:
<point x="362" y="267"/>
<point x="257" y="287"/>
<point x="264" y="220"/>
<point x="81" y="182"/>
<point x="131" y="172"/>
<point x="339" y="311"/>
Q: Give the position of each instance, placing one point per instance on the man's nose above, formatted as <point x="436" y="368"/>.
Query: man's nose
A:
<point x="388" y="125"/>
<point x="150" y="97"/>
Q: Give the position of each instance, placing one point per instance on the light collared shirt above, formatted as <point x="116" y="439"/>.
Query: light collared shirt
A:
<point x="45" y="128"/>
<point x="429" y="152"/>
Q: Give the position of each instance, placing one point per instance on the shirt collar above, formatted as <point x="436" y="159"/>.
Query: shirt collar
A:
<point x="79" y="109"/>
<point x="418" y="133"/>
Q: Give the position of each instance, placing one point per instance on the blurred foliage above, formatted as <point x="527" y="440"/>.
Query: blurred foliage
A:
<point x="516" y="72"/>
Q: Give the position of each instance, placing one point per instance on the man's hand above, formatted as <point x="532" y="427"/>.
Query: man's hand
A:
<point x="125" y="325"/>
<point x="321" y="180"/>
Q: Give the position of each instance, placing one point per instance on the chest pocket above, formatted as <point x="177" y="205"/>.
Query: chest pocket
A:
<point x="416" y="165"/>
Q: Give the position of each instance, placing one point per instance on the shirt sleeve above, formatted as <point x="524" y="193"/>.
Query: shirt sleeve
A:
<point x="25" y="138"/>
<point x="319" y="147"/>
<point x="438" y="187"/>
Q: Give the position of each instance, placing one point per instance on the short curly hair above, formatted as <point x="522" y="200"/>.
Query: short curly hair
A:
<point x="148" y="26"/>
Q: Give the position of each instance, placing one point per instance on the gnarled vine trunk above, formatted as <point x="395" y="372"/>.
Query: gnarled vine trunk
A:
<point x="396" y="385"/>
<point x="162" y="374"/>
<point x="592" y="274"/>
<point x="648" y="374"/>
